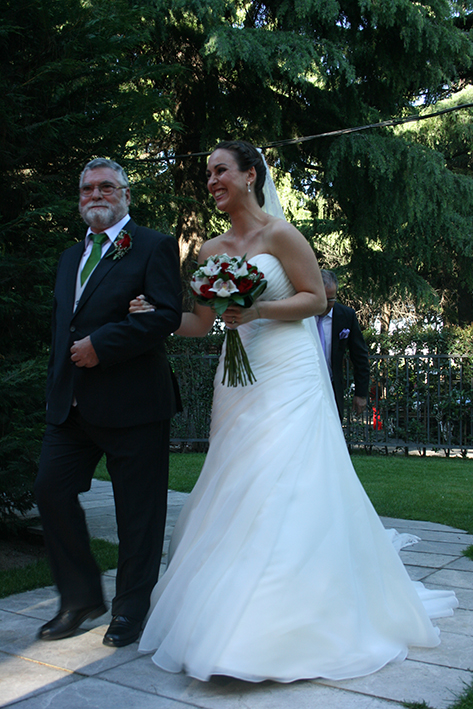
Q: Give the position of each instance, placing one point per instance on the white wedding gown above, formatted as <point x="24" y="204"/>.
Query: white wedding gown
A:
<point x="281" y="568"/>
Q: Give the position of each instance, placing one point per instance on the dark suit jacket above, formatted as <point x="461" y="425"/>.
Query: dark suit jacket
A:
<point x="133" y="383"/>
<point x="344" y="318"/>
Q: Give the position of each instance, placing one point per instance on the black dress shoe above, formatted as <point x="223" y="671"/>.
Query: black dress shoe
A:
<point x="65" y="623"/>
<point x="122" y="631"/>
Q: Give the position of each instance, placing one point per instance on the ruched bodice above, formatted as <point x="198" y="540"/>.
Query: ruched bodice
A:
<point x="279" y="286"/>
<point x="281" y="568"/>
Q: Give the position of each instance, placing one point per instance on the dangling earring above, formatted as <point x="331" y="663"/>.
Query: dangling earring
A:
<point x="248" y="184"/>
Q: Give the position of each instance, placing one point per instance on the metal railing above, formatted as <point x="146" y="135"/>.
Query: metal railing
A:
<point x="195" y="374"/>
<point x="419" y="402"/>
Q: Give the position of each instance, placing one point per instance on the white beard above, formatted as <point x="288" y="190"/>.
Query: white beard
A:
<point x="104" y="215"/>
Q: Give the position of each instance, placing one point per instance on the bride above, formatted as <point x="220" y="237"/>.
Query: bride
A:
<point x="279" y="566"/>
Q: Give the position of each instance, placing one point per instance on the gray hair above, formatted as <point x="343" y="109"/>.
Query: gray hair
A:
<point x="103" y="162"/>
<point x="329" y="278"/>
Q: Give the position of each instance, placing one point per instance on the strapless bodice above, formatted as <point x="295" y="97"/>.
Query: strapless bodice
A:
<point x="279" y="286"/>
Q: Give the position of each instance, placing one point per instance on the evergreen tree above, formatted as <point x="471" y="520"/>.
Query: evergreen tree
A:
<point x="71" y="88"/>
<point x="148" y="82"/>
<point x="451" y="270"/>
<point x="275" y="70"/>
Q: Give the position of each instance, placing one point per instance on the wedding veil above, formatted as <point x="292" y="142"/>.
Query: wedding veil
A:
<point x="272" y="205"/>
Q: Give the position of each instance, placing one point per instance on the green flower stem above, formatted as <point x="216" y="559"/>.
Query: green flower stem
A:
<point x="236" y="366"/>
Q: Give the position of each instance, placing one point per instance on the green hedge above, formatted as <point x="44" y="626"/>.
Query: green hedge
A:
<point x="22" y="387"/>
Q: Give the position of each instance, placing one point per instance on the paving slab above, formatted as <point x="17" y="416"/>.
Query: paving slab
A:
<point x="37" y="604"/>
<point x="421" y="573"/>
<point x="228" y="693"/>
<point x="81" y="673"/>
<point x="454" y="651"/>
<point x="417" y="558"/>
<point x="96" y="694"/>
<point x="464" y="563"/>
<point x="84" y="652"/>
<point x="450" y="578"/>
<point x="32" y="677"/>
<point x="414" y="526"/>
<point x="461" y="622"/>
<point x="441" y="547"/>
<point x="412" y="681"/>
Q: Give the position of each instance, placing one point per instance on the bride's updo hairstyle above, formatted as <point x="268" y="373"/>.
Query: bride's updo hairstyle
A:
<point x="247" y="156"/>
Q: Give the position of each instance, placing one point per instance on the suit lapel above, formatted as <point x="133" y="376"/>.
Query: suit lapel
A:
<point x="71" y="275"/>
<point x="103" y="267"/>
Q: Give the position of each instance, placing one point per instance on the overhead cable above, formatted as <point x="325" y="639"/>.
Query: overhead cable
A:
<point x="345" y="131"/>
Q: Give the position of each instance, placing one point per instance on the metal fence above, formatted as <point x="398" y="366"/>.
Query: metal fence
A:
<point x="419" y="402"/>
<point x="195" y="374"/>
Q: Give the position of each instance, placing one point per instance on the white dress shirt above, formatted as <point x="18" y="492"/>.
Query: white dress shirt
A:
<point x="112" y="233"/>
<point x="327" y="327"/>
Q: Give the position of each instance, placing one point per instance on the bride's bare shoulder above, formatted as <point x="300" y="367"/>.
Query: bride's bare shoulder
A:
<point x="287" y="242"/>
<point x="280" y="231"/>
<point x="281" y="226"/>
<point x="212" y="246"/>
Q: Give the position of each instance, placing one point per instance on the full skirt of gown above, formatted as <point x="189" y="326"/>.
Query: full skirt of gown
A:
<point x="279" y="566"/>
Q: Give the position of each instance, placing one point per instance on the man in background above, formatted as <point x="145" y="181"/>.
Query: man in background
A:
<point x="339" y="329"/>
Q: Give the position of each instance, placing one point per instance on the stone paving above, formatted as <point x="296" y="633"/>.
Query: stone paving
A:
<point x="82" y="673"/>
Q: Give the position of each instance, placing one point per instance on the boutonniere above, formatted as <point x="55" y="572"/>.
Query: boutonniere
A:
<point x="344" y="334"/>
<point x="122" y="244"/>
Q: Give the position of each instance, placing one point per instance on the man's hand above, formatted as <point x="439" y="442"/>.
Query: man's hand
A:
<point x="359" y="404"/>
<point x="83" y="353"/>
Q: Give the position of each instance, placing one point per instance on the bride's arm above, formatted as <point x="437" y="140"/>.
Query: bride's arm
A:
<point x="195" y="324"/>
<point x="301" y="267"/>
<point x="198" y="323"/>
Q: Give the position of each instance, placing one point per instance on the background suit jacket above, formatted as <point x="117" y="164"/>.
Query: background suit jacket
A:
<point x="133" y="382"/>
<point x="344" y="318"/>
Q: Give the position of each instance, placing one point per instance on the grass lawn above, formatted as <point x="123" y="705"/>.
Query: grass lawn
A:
<point x="431" y="489"/>
<point x="38" y="575"/>
<point x="408" y="487"/>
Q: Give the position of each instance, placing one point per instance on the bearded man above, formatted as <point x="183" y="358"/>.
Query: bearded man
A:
<point x="110" y="391"/>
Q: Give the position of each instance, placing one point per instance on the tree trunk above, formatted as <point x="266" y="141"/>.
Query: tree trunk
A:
<point x="385" y="317"/>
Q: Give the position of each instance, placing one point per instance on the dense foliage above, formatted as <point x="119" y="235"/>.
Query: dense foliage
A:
<point x="150" y="82"/>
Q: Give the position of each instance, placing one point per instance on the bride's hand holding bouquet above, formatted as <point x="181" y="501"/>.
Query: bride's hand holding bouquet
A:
<point x="230" y="285"/>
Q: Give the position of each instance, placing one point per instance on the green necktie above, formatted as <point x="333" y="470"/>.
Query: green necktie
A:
<point x="94" y="257"/>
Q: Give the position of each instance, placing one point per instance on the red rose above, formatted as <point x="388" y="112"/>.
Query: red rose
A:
<point x="122" y="245"/>
<point x="205" y="291"/>
<point x="124" y="242"/>
<point x="245" y="285"/>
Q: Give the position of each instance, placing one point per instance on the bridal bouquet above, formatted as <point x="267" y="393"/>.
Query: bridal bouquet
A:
<point x="220" y="281"/>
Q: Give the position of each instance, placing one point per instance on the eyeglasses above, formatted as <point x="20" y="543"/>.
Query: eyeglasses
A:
<point x="105" y="188"/>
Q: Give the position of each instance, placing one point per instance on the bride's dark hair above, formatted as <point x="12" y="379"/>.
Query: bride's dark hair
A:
<point x="247" y="156"/>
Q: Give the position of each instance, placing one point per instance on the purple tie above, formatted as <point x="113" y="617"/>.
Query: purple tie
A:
<point x="320" y="328"/>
